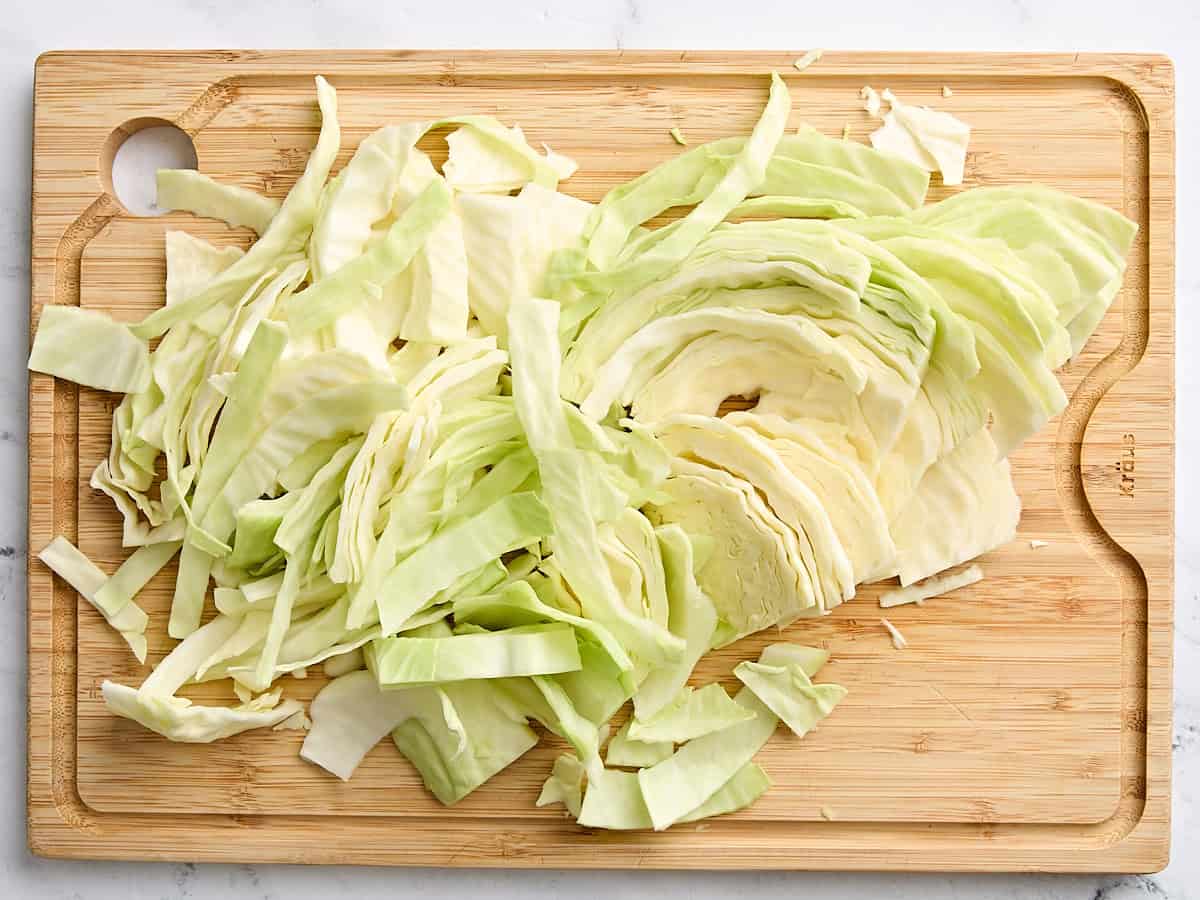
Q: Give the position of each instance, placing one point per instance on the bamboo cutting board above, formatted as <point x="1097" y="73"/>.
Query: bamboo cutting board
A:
<point x="1027" y="725"/>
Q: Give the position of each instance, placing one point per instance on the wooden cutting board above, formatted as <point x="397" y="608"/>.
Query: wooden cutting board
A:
<point x="1027" y="725"/>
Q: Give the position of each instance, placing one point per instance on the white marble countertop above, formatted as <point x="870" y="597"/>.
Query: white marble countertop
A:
<point x="1169" y="26"/>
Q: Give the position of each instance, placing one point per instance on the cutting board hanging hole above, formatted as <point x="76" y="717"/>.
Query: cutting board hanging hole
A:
<point x="132" y="155"/>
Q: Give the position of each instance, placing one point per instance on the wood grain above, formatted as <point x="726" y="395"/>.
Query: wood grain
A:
<point x="1027" y="726"/>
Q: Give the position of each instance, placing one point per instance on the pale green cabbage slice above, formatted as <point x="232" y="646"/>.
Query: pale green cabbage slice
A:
<point x="626" y="751"/>
<point x="510" y="242"/>
<point x="509" y="524"/>
<point x="565" y="784"/>
<point x="557" y="711"/>
<point x="1074" y="248"/>
<point x="197" y="193"/>
<point x="810" y="659"/>
<point x="932" y="587"/>
<point x="617" y="802"/>
<point x="69" y="564"/>
<point x="907" y="181"/>
<point x="178" y="719"/>
<point x="640" y="358"/>
<point x="674" y="787"/>
<point x="745" y="172"/>
<point x="843" y="488"/>
<point x="747" y="785"/>
<point x="351" y="715"/>
<point x="718" y="443"/>
<point x="361" y="196"/>
<point x="88" y="347"/>
<point x="517" y="604"/>
<point x="790" y="693"/>
<point x="336" y="293"/>
<point x="613" y="800"/>
<point x="932" y="139"/>
<point x="692" y="714"/>
<point x="193" y="263"/>
<point x="454" y="758"/>
<point x="495" y="160"/>
<point x="524" y="650"/>
<point x="133" y="575"/>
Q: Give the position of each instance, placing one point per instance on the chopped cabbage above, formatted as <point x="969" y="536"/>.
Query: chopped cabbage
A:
<point x="88" y="347"/>
<point x="127" y="618"/>
<point x="469" y="444"/>
<point x="690" y="715"/>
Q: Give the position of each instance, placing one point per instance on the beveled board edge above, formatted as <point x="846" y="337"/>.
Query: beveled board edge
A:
<point x="1135" y="839"/>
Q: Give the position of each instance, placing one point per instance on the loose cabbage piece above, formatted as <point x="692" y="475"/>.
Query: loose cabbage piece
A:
<point x="543" y="698"/>
<point x="484" y="144"/>
<point x="599" y="687"/>
<point x="933" y="587"/>
<point x="155" y="706"/>
<point x="526" y="650"/>
<point x="231" y="441"/>
<point x="132" y="575"/>
<point x="494" y="553"/>
<point x="178" y="719"/>
<point x="934" y="140"/>
<point x="790" y="693"/>
<point x="690" y="715"/>
<point x="88" y="347"/>
<point x="351" y="715"/>
<point x="565" y="784"/>
<point x="195" y="192"/>
<point x="485" y="157"/>
<point x="674" y="787"/>
<point x="361" y="196"/>
<point x="454" y="758"/>
<point x="626" y="208"/>
<point x="906" y="181"/>
<point x="810" y="659"/>
<point x="626" y="751"/>
<point x="613" y="800"/>
<point x="750" y="783"/>
<point x="69" y="564"/>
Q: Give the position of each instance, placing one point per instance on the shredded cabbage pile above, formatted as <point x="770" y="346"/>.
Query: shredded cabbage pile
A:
<point x="458" y="437"/>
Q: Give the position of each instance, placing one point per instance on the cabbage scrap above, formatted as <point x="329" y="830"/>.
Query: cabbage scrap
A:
<point x="69" y="564"/>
